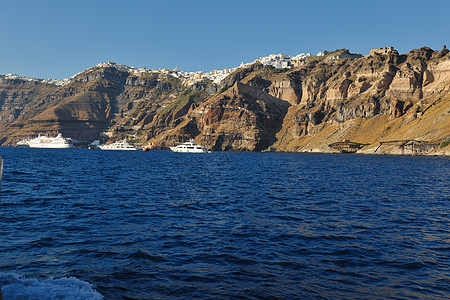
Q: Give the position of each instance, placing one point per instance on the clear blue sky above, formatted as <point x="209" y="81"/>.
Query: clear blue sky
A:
<point x="57" y="39"/>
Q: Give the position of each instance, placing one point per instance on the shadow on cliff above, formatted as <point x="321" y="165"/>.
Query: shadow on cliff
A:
<point x="243" y="118"/>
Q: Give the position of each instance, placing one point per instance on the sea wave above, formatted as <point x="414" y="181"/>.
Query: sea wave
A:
<point x="223" y="226"/>
<point x="15" y="287"/>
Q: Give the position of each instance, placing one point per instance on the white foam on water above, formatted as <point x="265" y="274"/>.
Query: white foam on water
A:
<point x="15" y="287"/>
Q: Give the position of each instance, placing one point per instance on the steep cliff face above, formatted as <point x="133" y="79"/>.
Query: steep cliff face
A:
<point x="341" y="103"/>
<point x="100" y="100"/>
<point x="79" y="110"/>
<point x="244" y="118"/>
<point x="370" y="99"/>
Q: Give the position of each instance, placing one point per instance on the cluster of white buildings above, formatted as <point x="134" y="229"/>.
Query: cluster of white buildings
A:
<point x="123" y="68"/>
<point x="216" y="76"/>
<point x="49" y="81"/>
<point x="189" y="78"/>
<point x="279" y="61"/>
<point x="282" y="61"/>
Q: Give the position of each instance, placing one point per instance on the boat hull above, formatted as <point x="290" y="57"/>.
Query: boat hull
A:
<point x="181" y="150"/>
<point x="123" y="149"/>
<point x="50" y="146"/>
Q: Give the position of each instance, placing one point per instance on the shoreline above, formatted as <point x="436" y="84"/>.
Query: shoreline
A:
<point x="445" y="153"/>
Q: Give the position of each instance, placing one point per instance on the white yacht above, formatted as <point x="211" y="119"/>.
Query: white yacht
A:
<point x="43" y="141"/>
<point x="189" y="147"/>
<point x="122" y="145"/>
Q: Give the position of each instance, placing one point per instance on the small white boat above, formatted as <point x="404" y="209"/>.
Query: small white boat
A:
<point x="22" y="143"/>
<point x="190" y="147"/>
<point x="122" y="145"/>
<point x="43" y="141"/>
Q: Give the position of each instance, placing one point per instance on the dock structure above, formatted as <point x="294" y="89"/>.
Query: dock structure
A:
<point x="412" y="146"/>
<point x="347" y="146"/>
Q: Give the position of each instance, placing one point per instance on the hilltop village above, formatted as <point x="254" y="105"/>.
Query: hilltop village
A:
<point x="280" y="61"/>
<point x="216" y="76"/>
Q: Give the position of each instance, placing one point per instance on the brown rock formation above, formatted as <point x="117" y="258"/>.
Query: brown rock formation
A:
<point x="378" y="97"/>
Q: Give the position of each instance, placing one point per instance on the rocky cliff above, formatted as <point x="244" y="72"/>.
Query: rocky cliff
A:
<point x="392" y="99"/>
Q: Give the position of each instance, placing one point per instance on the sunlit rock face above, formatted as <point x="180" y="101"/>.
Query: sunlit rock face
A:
<point x="252" y="108"/>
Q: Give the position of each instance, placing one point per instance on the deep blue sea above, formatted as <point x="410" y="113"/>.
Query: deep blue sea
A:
<point x="92" y="224"/>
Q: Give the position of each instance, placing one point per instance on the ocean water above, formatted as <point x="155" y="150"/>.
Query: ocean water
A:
<point x="91" y="224"/>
